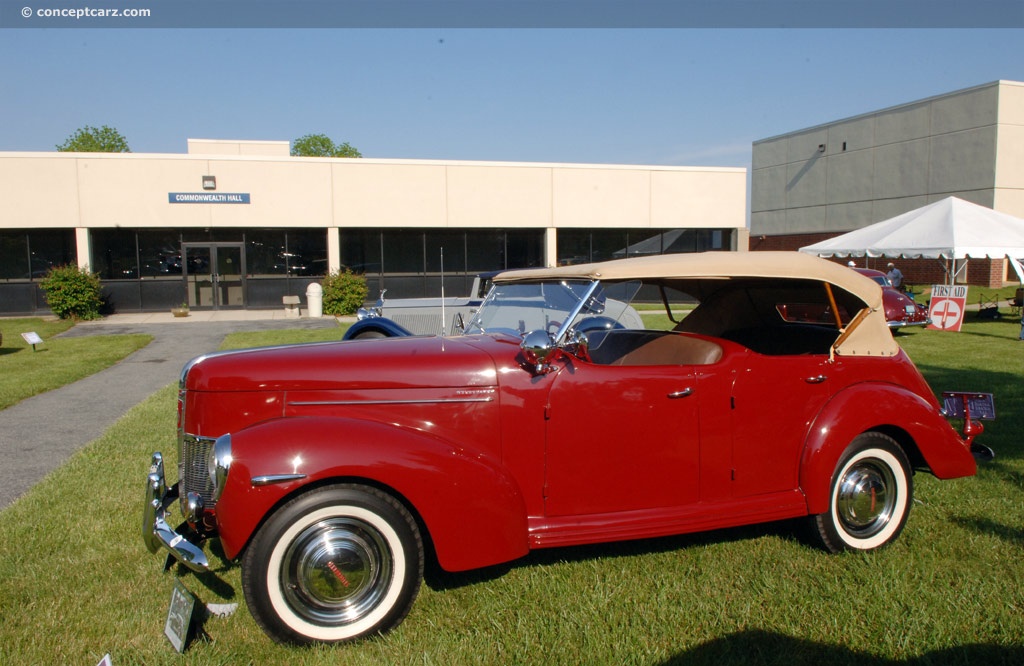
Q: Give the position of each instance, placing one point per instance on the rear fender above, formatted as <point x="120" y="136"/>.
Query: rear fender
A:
<point x="887" y="408"/>
<point x="469" y="504"/>
<point x="381" y="325"/>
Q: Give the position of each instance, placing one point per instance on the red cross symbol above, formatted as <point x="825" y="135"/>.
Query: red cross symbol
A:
<point x="946" y="314"/>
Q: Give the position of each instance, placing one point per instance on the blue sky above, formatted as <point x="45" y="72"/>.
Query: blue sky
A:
<point x="689" y="97"/>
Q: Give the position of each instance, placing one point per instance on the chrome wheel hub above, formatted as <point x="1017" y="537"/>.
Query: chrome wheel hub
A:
<point x="866" y="498"/>
<point x="336" y="571"/>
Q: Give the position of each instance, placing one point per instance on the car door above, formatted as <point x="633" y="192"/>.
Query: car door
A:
<point x="621" y="438"/>
<point x="775" y="399"/>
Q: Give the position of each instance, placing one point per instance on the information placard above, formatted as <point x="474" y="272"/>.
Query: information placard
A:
<point x="180" y="617"/>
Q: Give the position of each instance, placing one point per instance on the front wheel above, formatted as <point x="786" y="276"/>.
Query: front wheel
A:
<point x="869" y="498"/>
<point x="335" y="564"/>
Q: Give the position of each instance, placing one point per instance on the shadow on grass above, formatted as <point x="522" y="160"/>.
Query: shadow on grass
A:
<point x="790" y="530"/>
<point x="1012" y="535"/>
<point x="766" y="647"/>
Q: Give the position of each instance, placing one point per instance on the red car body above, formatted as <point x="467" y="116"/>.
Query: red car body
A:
<point x="494" y="444"/>
<point x="900" y="309"/>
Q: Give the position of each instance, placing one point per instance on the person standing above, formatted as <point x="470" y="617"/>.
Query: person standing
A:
<point x="895" y="276"/>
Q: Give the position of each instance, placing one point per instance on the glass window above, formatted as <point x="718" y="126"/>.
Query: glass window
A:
<point x="523" y="249"/>
<point x="453" y="244"/>
<point x="159" y="253"/>
<point x="14" y="255"/>
<point x="577" y="246"/>
<point x="114" y="254"/>
<point x="608" y="244"/>
<point x="49" y="249"/>
<point x="265" y="251"/>
<point x="360" y="250"/>
<point x="307" y="251"/>
<point x="403" y="252"/>
<point x="573" y="246"/>
<point x="485" y="251"/>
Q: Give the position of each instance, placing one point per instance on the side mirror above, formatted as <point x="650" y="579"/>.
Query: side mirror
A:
<point x="538" y="349"/>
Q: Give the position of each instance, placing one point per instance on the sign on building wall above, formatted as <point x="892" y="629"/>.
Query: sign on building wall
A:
<point x="208" y="197"/>
<point x="947" y="307"/>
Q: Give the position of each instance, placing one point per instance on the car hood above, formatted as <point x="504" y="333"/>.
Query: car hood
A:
<point x="410" y="362"/>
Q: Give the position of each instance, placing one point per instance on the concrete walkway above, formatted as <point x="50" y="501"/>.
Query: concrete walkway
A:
<point x="38" y="434"/>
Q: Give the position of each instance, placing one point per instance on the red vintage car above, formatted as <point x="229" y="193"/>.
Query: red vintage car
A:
<point x="330" y="469"/>
<point x="900" y="309"/>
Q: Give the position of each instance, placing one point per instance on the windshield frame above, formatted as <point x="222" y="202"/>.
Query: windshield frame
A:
<point x="507" y="307"/>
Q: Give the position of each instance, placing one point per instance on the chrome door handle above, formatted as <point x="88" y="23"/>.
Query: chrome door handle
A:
<point x="675" y="395"/>
<point x="816" y="379"/>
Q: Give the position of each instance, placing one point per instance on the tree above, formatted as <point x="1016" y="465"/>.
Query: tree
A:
<point x="92" y="140"/>
<point x="321" y="145"/>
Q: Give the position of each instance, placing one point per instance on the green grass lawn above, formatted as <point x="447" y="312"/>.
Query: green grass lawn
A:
<point x="76" y="581"/>
<point x="56" y="362"/>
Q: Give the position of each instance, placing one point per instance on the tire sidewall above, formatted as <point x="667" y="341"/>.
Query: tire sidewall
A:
<point x="263" y="580"/>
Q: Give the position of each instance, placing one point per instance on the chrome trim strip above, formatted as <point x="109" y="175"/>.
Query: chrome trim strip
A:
<point x="270" y="479"/>
<point x="307" y="403"/>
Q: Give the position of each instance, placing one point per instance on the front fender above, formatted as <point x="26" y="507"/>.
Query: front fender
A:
<point x="886" y="408"/>
<point x="471" y="506"/>
<point x="382" y="326"/>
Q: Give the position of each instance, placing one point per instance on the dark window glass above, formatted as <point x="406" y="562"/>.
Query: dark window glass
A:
<point x="49" y="249"/>
<point x="213" y="235"/>
<point x="14" y="264"/>
<point x="360" y="250"/>
<point x="453" y="244"/>
<point x="573" y="246"/>
<point x="608" y="244"/>
<point x="114" y="254"/>
<point x="265" y="252"/>
<point x="485" y="251"/>
<point x="159" y="253"/>
<point x="576" y="246"/>
<point x="306" y="252"/>
<point x="403" y="252"/>
<point x="523" y="249"/>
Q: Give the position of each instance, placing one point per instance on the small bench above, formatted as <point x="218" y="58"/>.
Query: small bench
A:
<point x="291" y="306"/>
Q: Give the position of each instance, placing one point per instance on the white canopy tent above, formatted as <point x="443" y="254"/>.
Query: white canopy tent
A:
<point x="952" y="230"/>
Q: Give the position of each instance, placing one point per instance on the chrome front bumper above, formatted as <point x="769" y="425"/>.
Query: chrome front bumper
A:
<point x="156" y="532"/>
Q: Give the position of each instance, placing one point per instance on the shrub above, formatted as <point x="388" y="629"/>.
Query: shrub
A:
<point x="73" y="292"/>
<point x="344" y="293"/>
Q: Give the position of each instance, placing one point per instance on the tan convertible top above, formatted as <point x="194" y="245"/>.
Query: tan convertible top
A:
<point x="867" y="335"/>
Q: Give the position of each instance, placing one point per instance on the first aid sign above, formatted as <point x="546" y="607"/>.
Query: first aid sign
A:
<point x="947" y="307"/>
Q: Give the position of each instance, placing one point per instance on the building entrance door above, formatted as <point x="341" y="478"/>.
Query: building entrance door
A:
<point x="214" y="275"/>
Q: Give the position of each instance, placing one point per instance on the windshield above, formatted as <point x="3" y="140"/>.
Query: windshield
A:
<point x="521" y="307"/>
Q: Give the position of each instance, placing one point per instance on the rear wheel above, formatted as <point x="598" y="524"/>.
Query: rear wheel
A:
<point x="369" y="335"/>
<point x="335" y="564"/>
<point x="869" y="498"/>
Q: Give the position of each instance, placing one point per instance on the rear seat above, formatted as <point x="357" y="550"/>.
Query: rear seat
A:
<point x="652" y="348"/>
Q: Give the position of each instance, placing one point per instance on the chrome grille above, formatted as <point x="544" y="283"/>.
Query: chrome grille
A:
<point x="193" y="471"/>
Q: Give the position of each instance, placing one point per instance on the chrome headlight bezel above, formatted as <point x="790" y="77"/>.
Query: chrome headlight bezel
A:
<point x="219" y="463"/>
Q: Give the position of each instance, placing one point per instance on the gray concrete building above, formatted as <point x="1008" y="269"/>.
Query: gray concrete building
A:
<point x="826" y="180"/>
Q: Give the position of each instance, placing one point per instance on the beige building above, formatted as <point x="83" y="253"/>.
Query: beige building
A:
<point x="819" y="182"/>
<point x="239" y="224"/>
